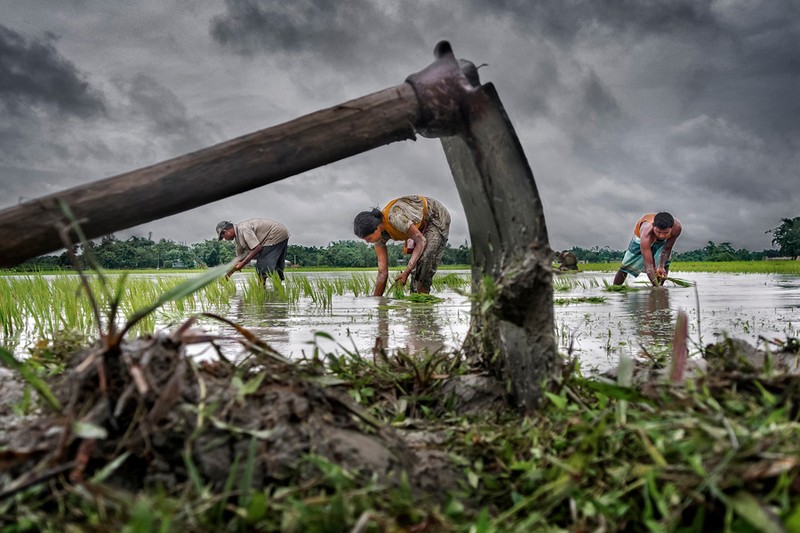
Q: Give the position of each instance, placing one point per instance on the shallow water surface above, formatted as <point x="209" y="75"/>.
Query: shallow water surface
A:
<point x="746" y="306"/>
<point x="637" y="323"/>
<point x="358" y="323"/>
<point x="633" y="323"/>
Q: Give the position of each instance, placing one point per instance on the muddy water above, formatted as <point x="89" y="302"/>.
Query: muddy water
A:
<point x="746" y="306"/>
<point x="739" y="305"/>
<point x="355" y="324"/>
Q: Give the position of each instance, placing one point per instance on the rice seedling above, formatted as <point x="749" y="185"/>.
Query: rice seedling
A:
<point x="279" y="291"/>
<point x="326" y="289"/>
<point x="305" y="283"/>
<point x="451" y="281"/>
<point x="339" y="286"/>
<point x="396" y="291"/>
<point x="608" y="287"/>
<point x="12" y="317"/>
<point x="419" y="298"/>
<point x="568" y="283"/>
<point x="679" y="282"/>
<point x="216" y="295"/>
<point x="253" y="291"/>
<point x="582" y="299"/>
<point x="361" y="283"/>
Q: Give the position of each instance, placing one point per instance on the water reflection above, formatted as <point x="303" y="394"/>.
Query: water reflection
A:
<point x="382" y="338"/>
<point x="424" y="330"/>
<point x="269" y="321"/>
<point x="654" y="318"/>
<point x="419" y="327"/>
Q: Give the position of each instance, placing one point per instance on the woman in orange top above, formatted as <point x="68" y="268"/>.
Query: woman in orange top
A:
<point x="421" y="221"/>
<point x="654" y="235"/>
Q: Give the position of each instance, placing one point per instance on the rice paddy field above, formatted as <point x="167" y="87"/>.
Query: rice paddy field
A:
<point x="334" y="311"/>
<point x="633" y="452"/>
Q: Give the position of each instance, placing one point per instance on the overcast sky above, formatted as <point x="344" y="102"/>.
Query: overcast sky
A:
<point x="622" y="106"/>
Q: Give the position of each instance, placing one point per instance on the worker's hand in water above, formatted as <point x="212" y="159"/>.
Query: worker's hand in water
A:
<point x="401" y="279"/>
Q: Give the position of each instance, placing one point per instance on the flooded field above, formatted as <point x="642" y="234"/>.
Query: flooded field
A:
<point x="597" y="325"/>
<point x="738" y="305"/>
<point x="745" y="306"/>
<point x="354" y="323"/>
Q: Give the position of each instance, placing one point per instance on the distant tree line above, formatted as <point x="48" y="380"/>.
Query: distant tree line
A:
<point x="144" y="253"/>
<point x="723" y="252"/>
<point x="786" y="236"/>
<point x="359" y="254"/>
<point x="711" y="252"/>
<point x="139" y="252"/>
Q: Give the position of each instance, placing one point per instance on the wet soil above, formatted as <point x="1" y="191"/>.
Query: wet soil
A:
<point x="163" y="414"/>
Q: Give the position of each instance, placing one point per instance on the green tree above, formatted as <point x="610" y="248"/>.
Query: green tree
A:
<point x="457" y="256"/>
<point x="597" y="254"/>
<point x="303" y="255"/>
<point x="213" y="252"/>
<point x="349" y="254"/>
<point x="719" y="252"/>
<point x="787" y="236"/>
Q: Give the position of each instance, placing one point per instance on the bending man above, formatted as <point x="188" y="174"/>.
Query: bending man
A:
<point x="654" y="235"/>
<point x="261" y="239"/>
<point x="424" y="223"/>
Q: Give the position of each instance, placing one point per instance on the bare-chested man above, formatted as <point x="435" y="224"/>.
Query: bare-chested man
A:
<point x="653" y="238"/>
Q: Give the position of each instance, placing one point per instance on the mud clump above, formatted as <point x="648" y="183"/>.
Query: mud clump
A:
<point x="162" y="417"/>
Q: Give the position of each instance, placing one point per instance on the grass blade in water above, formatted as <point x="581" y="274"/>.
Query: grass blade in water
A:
<point x="186" y="288"/>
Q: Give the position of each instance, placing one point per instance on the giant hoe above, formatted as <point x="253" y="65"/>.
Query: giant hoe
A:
<point x="512" y="330"/>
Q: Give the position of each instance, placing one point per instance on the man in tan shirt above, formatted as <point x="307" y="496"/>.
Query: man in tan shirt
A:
<point x="261" y="239"/>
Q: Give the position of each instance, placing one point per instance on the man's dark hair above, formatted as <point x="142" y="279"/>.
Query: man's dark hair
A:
<point x="663" y="220"/>
<point x="367" y="222"/>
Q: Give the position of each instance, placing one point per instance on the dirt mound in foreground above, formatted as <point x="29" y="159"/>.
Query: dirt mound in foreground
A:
<point x="153" y="417"/>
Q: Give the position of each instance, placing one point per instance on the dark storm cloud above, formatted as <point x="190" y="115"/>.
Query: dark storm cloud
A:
<point x="622" y="106"/>
<point x="164" y="115"/>
<point x="34" y="74"/>
<point x="40" y="91"/>
<point x="723" y="159"/>
<point x="563" y="21"/>
<point x="60" y="129"/>
<point x="740" y="61"/>
<point x="336" y="31"/>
